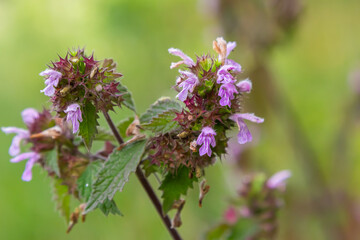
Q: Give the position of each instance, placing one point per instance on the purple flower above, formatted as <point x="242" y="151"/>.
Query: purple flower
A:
<point x="244" y="86"/>
<point x="52" y="80"/>
<point x="29" y="116"/>
<point x="74" y="115"/>
<point x="226" y="93"/>
<point x="20" y="135"/>
<point x="277" y="181"/>
<point x="231" y="216"/>
<point x="229" y="47"/>
<point x="33" y="158"/>
<point x="244" y="134"/>
<point x="188" y="85"/>
<point x="206" y="138"/>
<point x="186" y="59"/>
<point x="224" y="75"/>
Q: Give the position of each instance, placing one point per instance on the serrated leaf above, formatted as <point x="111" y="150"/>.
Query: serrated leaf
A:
<point x="123" y="125"/>
<point x="103" y="135"/>
<point x="109" y="206"/>
<point x="162" y="123"/>
<point x="62" y="199"/>
<point x="84" y="187"/>
<point x="126" y="96"/>
<point x="175" y="185"/>
<point x="89" y="123"/>
<point x="115" y="173"/>
<point x="160" y="106"/>
<point x="51" y="161"/>
<point x="85" y="181"/>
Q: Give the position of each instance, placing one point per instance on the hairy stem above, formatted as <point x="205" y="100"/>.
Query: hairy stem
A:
<point x="146" y="185"/>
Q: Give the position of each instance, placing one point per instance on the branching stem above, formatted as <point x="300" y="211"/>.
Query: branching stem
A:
<point x="146" y="185"/>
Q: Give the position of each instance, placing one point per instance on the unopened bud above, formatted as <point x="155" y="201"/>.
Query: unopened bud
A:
<point x="98" y="88"/>
<point x="193" y="146"/>
<point x="65" y="90"/>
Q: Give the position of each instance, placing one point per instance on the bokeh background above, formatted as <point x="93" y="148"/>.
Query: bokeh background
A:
<point x="303" y="58"/>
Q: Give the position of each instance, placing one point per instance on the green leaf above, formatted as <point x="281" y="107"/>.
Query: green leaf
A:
<point x="162" y="105"/>
<point x="85" y="181"/>
<point x="89" y="123"/>
<point x="84" y="186"/>
<point x="115" y="173"/>
<point x="244" y="229"/>
<point x="109" y="206"/>
<point x="62" y="198"/>
<point x="103" y="135"/>
<point x="219" y="232"/>
<point x="126" y="96"/>
<point x="162" y="123"/>
<point x="174" y="186"/>
<point x="51" y="160"/>
<point x="123" y="125"/>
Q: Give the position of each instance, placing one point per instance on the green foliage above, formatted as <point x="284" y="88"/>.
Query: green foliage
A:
<point x="51" y="160"/>
<point x="62" y="198"/>
<point x="244" y="229"/>
<point x="123" y="125"/>
<point x="115" y="173"/>
<point x="109" y="206"/>
<point x="84" y="186"/>
<point x="85" y="181"/>
<point x="126" y="96"/>
<point x="160" y="106"/>
<point x="175" y="185"/>
<point x="103" y="135"/>
<point x="219" y="232"/>
<point x="162" y="123"/>
<point x="89" y="123"/>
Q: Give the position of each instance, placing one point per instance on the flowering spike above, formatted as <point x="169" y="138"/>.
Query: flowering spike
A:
<point x="244" y="134"/>
<point x="74" y="115"/>
<point x="186" y="59"/>
<point x="52" y="80"/>
<point x="206" y="138"/>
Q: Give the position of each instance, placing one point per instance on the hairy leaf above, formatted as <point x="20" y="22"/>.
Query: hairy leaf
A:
<point x="123" y="125"/>
<point x="89" y="123"/>
<point x="109" y="206"/>
<point x="175" y="185"/>
<point x="126" y="96"/>
<point x="104" y="135"/>
<point x="162" y="123"/>
<point x="62" y="199"/>
<point x="162" y="105"/>
<point x="85" y="181"/>
<point x="115" y="173"/>
<point x="51" y="161"/>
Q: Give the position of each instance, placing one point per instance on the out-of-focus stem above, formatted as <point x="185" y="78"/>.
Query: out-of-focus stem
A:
<point x="145" y="183"/>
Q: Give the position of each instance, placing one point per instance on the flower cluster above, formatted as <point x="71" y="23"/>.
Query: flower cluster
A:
<point x="258" y="204"/>
<point x="78" y="78"/>
<point x="212" y="96"/>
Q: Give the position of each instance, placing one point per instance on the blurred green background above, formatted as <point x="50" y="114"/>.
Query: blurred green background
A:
<point x="310" y="66"/>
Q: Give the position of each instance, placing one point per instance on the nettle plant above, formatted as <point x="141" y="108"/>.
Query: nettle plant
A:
<point x="175" y="140"/>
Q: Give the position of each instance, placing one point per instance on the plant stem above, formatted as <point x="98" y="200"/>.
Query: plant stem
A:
<point x="146" y="185"/>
